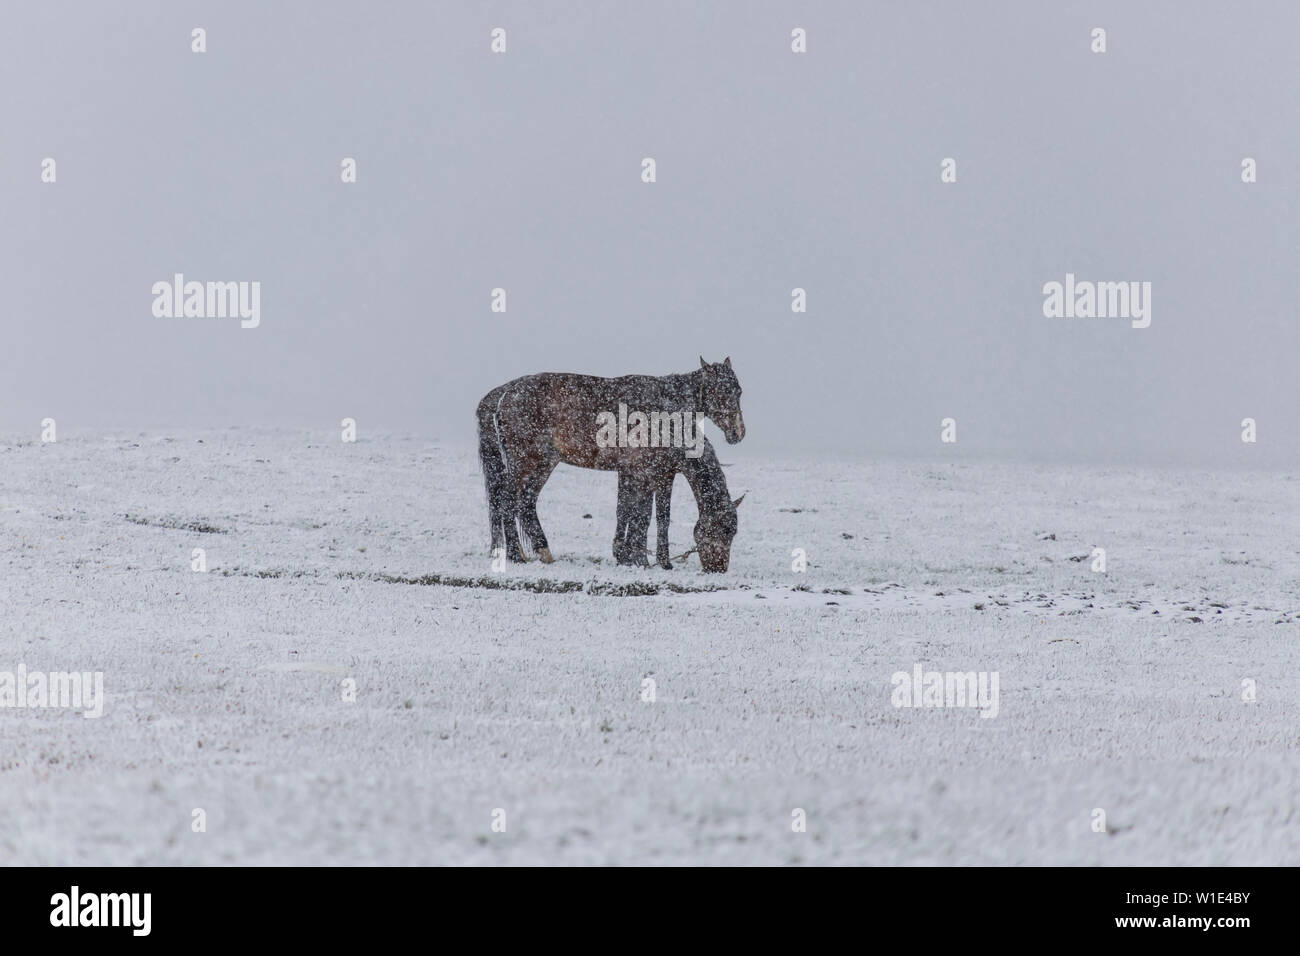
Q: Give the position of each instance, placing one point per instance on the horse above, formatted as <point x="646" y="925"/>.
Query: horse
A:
<point x="638" y="489"/>
<point x="528" y="426"/>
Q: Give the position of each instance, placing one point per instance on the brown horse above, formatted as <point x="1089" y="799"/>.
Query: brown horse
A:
<point x="639" y="489"/>
<point x="528" y="426"/>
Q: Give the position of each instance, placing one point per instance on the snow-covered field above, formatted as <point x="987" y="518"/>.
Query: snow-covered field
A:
<point x="477" y="691"/>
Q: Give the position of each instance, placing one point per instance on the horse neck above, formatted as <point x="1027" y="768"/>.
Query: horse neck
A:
<point x="708" y="483"/>
<point x="687" y="389"/>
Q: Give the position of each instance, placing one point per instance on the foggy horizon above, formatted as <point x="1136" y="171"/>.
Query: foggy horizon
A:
<point x="774" y="171"/>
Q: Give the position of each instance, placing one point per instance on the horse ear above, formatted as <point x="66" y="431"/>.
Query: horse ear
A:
<point x="736" y="503"/>
<point x="727" y="361"/>
<point x="703" y="364"/>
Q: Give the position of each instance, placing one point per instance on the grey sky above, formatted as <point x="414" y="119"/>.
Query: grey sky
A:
<point x="775" y="170"/>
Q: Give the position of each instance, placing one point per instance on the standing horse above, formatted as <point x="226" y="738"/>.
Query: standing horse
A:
<point x="638" y="489"/>
<point x="528" y="426"/>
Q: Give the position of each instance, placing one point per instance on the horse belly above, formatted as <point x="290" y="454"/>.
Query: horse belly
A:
<point x="577" y="446"/>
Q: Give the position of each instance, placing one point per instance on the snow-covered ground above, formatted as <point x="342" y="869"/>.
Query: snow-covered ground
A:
<point x="477" y="691"/>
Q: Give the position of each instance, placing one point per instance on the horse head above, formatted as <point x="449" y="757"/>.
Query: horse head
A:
<point x="721" y="398"/>
<point x="714" y="532"/>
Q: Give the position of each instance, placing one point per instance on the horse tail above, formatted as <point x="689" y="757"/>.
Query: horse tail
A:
<point x="491" y="455"/>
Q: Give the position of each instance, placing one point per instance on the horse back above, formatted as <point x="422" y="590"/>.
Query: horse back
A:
<point x="556" y="413"/>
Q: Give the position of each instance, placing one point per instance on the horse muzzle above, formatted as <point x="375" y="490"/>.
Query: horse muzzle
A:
<point x="735" y="430"/>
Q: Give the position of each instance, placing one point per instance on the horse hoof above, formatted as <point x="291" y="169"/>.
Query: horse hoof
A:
<point x="545" y="555"/>
<point x="666" y="565"/>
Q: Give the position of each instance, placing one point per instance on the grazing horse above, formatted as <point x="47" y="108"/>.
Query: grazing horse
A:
<point x="528" y="426"/>
<point x="639" y="488"/>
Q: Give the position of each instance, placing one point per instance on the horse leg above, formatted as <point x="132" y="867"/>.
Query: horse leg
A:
<point x="492" y="458"/>
<point x="663" y="496"/>
<point x="518" y="472"/>
<point x="638" y="504"/>
<point x="625" y="495"/>
<point x="514" y="549"/>
<point x="528" y="518"/>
